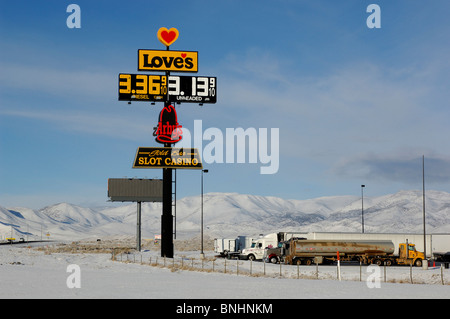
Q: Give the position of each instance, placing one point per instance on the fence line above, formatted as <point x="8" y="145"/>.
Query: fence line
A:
<point x="262" y="269"/>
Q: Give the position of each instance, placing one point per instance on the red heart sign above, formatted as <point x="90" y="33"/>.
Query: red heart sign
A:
<point x="167" y="37"/>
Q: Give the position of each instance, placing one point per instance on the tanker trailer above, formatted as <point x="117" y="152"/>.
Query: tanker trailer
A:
<point x="322" y="251"/>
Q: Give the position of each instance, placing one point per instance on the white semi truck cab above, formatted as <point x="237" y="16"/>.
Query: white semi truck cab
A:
<point x="256" y="251"/>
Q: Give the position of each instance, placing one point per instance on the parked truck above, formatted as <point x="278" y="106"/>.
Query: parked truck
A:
<point x="437" y="244"/>
<point x="223" y="246"/>
<point x="231" y="247"/>
<point x="272" y="240"/>
<point x="256" y="250"/>
<point x="366" y="251"/>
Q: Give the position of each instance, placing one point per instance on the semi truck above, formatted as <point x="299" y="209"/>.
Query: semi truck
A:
<point x="380" y="252"/>
<point x="257" y="249"/>
<point x="437" y="245"/>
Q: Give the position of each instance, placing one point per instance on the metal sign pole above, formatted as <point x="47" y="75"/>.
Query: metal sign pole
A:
<point x="138" y="231"/>
<point x="167" y="218"/>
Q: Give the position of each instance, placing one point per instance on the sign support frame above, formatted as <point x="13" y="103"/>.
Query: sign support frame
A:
<point x="149" y="88"/>
<point x="119" y="196"/>
<point x="167" y="217"/>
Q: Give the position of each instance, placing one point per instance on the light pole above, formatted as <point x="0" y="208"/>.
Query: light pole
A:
<point x="425" y="261"/>
<point x="362" y="207"/>
<point x="202" y="255"/>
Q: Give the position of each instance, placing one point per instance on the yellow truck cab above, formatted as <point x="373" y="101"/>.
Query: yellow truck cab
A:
<point x="410" y="256"/>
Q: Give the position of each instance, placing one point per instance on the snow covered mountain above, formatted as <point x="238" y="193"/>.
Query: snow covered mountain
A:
<point x="232" y="214"/>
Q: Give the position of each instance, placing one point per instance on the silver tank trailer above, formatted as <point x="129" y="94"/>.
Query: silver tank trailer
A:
<point x="331" y="247"/>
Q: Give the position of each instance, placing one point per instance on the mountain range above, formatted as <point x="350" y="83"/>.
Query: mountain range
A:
<point x="232" y="214"/>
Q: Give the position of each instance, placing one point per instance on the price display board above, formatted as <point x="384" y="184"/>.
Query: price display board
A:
<point x="154" y="88"/>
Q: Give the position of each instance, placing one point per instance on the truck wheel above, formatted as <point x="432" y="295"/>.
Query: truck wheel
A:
<point x="378" y="262"/>
<point x="251" y="257"/>
<point x="274" y="260"/>
<point x="388" y="262"/>
<point x="308" y="262"/>
<point x="418" y="263"/>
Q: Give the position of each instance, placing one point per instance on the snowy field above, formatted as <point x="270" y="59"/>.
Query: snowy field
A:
<point x="31" y="273"/>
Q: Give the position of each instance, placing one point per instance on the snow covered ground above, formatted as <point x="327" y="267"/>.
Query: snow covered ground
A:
<point x="29" y="273"/>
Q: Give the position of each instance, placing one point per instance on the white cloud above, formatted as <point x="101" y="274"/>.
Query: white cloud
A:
<point x="65" y="83"/>
<point x="403" y="166"/>
<point x="117" y="126"/>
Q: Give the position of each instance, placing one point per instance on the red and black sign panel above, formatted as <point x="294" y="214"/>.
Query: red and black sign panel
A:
<point x="168" y="129"/>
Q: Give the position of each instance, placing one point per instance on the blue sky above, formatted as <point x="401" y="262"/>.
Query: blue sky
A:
<point x="353" y="105"/>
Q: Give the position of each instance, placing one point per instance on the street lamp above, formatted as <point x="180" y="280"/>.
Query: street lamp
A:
<point x="202" y="255"/>
<point x="425" y="262"/>
<point x="362" y="207"/>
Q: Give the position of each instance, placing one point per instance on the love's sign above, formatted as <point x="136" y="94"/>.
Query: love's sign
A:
<point x="163" y="60"/>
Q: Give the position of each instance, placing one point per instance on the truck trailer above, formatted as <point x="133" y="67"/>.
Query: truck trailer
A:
<point x="437" y="244"/>
<point x="303" y="251"/>
<point x="230" y="247"/>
